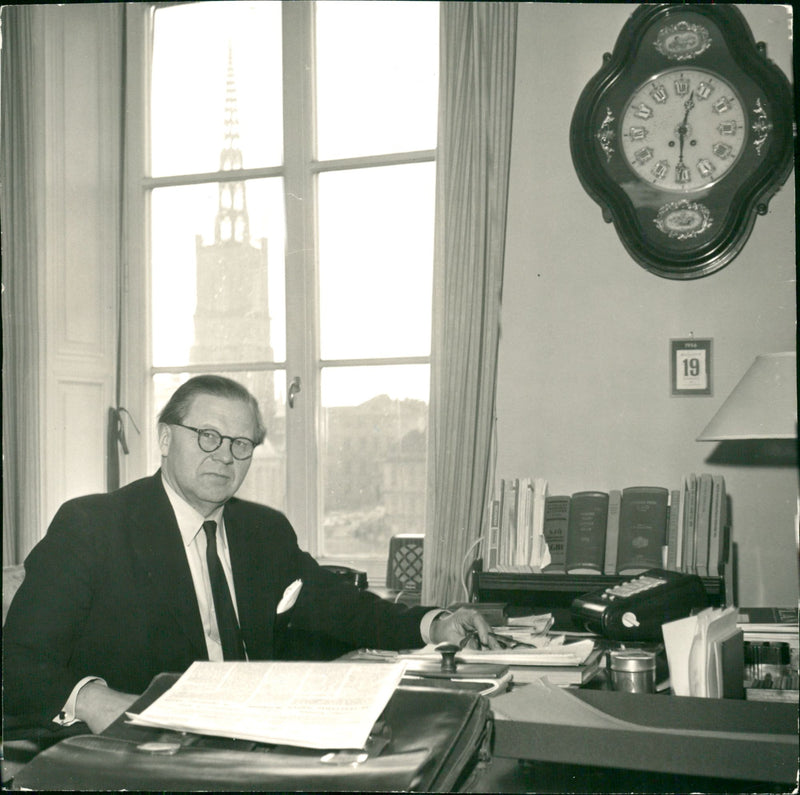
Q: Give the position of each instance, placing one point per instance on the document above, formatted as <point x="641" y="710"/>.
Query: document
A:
<point x="557" y="654"/>
<point x="312" y="705"/>
<point x="694" y="651"/>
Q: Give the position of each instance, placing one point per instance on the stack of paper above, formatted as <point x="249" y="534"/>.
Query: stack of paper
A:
<point x="312" y="705"/>
<point x="705" y="654"/>
<point x="562" y="664"/>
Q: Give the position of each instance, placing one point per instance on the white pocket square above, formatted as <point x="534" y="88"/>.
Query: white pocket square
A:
<point x="290" y="596"/>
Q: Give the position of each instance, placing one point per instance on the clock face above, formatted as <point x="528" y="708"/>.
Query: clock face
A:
<point x="683" y="130"/>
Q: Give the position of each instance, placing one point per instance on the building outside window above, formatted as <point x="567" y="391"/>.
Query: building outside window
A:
<point x="286" y="201"/>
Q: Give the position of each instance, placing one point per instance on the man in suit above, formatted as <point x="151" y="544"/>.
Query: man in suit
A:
<point x="173" y="568"/>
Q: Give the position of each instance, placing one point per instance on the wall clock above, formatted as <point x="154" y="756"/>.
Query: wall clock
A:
<point x="683" y="136"/>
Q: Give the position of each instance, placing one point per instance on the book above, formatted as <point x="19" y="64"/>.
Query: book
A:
<point x="586" y="532"/>
<point x="612" y="531"/>
<point x="572" y="663"/>
<point x="549" y="654"/>
<point x="556" y="519"/>
<point x="642" y="528"/>
<point x="717" y="554"/>
<point x="494" y="534"/>
<point x="681" y="523"/>
<point x="508" y="522"/>
<point x="524" y="496"/>
<point x="690" y="503"/>
<point x="539" y="490"/>
<point x="702" y="524"/>
<point x="561" y="675"/>
<point x="673" y="525"/>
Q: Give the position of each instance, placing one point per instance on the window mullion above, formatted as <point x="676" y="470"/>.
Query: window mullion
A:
<point x="301" y="294"/>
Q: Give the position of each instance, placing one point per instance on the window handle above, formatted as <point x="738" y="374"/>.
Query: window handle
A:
<point x="294" y="389"/>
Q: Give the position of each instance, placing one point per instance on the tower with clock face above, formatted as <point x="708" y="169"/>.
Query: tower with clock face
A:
<point x="683" y="136"/>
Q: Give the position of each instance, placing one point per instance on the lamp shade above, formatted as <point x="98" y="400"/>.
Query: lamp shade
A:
<point x="763" y="405"/>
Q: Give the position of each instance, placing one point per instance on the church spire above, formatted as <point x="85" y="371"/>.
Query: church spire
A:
<point x="232" y="223"/>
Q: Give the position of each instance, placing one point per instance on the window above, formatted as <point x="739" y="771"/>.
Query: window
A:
<point x="288" y="208"/>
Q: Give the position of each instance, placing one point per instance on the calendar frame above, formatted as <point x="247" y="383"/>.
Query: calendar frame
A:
<point x="685" y="384"/>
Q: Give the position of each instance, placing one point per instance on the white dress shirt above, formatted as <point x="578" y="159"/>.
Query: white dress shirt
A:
<point x="190" y="523"/>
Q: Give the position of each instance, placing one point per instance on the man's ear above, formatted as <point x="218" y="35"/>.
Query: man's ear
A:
<point x="164" y="438"/>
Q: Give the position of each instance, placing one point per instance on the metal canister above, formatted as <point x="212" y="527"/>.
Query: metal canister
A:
<point x="633" y="670"/>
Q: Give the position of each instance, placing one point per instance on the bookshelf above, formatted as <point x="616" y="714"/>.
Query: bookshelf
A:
<point x="525" y="593"/>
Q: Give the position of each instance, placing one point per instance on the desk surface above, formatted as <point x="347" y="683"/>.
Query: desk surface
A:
<point x="668" y="734"/>
<point x="596" y="740"/>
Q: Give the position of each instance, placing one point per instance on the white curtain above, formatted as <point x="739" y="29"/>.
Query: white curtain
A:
<point x="22" y="120"/>
<point x="478" y="44"/>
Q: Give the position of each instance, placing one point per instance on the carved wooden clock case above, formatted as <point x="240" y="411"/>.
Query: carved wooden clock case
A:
<point x="683" y="136"/>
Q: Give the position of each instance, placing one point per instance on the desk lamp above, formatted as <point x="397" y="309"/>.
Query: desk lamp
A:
<point x="763" y="405"/>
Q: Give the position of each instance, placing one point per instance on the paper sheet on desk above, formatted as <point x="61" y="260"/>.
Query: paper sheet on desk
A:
<point x="312" y="705"/>
<point x="568" y="654"/>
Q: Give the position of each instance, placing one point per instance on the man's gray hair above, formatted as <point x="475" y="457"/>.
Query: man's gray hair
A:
<point x="179" y="404"/>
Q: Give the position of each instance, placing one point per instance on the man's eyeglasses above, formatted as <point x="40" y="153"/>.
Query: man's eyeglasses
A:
<point x="209" y="440"/>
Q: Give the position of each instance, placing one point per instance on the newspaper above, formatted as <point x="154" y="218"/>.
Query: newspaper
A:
<point x="312" y="705"/>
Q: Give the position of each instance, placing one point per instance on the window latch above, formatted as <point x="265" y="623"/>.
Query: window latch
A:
<point x="294" y="389"/>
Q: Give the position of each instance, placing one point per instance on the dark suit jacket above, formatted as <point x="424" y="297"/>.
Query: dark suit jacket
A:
<point x="108" y="593"/>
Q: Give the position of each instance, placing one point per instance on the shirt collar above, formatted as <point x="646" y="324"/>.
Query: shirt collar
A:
<point x="190" y="521"/>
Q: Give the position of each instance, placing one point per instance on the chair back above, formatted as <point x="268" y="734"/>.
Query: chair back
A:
<point x="12" y="579"/>
<point x="404" y="567"/>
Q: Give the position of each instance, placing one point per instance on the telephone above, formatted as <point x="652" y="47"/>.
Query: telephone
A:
<point x="353" y="576"/>
<point x="636" y="608"/>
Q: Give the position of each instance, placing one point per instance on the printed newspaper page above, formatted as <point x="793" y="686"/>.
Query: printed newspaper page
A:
<point x="313" y="705"/>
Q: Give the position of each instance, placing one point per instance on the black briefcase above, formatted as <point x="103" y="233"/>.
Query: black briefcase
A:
<point x="429" y="739"/>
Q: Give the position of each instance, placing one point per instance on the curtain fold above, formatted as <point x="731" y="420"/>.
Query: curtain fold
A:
<point x="20" y="214"/>
<point x="478" y="45"/>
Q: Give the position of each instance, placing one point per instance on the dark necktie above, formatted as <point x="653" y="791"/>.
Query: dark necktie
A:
<point x="229" y="636"/>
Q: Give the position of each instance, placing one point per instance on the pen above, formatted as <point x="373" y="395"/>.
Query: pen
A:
<point x="505" y="641"/>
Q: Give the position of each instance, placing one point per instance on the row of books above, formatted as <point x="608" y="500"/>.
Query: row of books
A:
<point x="516" y="526"/>
<point x="621" y="531"/>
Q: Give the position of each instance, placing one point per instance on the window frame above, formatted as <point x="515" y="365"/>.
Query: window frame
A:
<point x="299" y="171"/>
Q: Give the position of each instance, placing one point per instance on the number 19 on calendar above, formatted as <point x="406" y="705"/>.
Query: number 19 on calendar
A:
<point x="690" y="366"/>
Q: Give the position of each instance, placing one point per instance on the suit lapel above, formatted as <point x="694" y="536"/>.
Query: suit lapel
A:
<point x="162" y="557"/>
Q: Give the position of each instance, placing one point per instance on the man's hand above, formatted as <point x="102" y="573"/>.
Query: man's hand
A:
<point x="454" y="627"/>
<point x="98" y="706"/>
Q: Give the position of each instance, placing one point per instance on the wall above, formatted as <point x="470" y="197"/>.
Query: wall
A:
<point x="583" y="393"/>
<point x="76" y="54"/>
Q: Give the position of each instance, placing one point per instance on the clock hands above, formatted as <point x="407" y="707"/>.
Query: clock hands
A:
<point x="683" y="127"/>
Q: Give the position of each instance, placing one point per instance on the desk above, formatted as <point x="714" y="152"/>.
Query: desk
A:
<point x="677" y="745"/>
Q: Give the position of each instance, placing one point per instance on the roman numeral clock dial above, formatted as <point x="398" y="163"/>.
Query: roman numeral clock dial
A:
<point x="683" y="136"/>
<point x="683" y="130"/>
